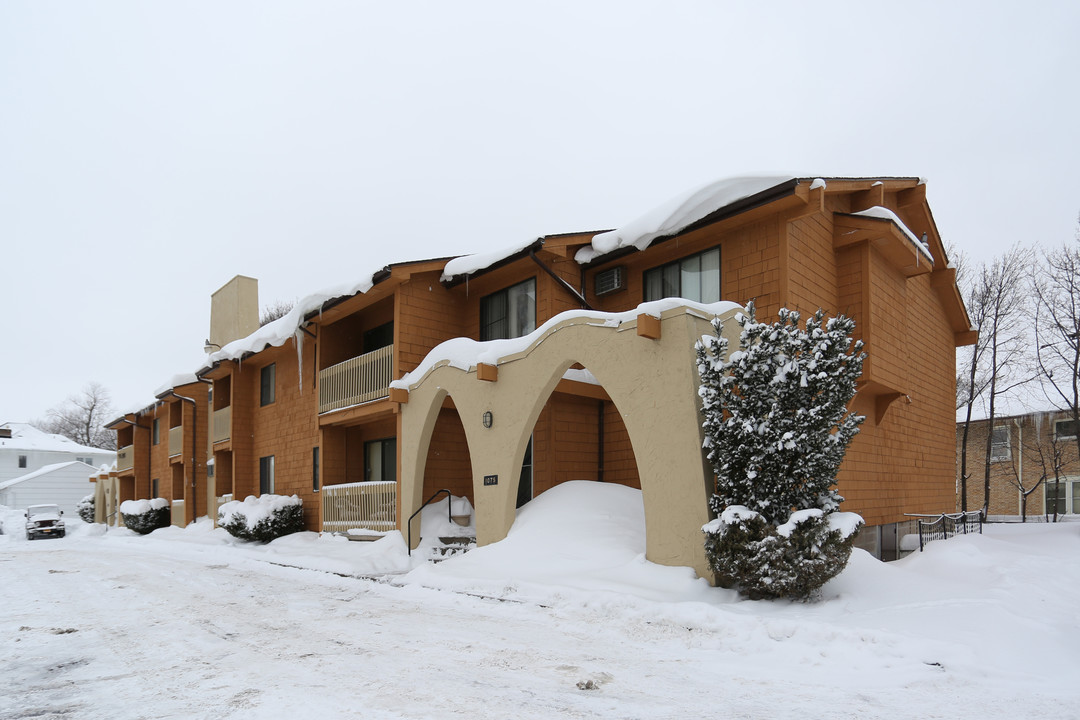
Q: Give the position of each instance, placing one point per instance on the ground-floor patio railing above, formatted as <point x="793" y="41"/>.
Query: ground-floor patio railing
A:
<point x="360" y="506"/>
<point x="944" y="526"/>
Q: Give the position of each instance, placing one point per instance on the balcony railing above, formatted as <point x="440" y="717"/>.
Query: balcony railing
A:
<point x="359" y="380"/>
<point x="362" y="506"/>
<point x="176" y="441"/>
<point x="125" y="458"/>
<point x="222" y="424"/>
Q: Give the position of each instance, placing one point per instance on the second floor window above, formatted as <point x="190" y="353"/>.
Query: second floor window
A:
<point x="1065" y="429"/>
<point x="266" y="385"/>
<point x="696" y="278"/>
<point x="509" y="313"/>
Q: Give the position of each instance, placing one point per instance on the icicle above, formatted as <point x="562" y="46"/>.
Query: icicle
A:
<point x="298" y="338"/>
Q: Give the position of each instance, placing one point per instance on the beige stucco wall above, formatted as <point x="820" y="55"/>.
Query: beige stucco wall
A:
<point x="653" y="383"/>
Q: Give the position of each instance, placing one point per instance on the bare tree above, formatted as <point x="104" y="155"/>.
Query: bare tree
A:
<point x="971" y="378"/>
<point x="1056" y="289"/>
<point x="275" y="310"/>
<point x="1003" y="322"/>
<point x="1045" y="448"/>
<point x="82" y="418"/>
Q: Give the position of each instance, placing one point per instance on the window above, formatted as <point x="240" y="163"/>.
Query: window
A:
<point x="315" y="469"/>
<point x="380" y="460"/>
<point x="509" y="313"/>
<point x="999" y="444"/>
<point x="154" y="488"/>
<point x="696" y="278"/>
<point x="22" y="461"/>
<point x="525" y="481"/>
<point x="156" y="431"/>
<point x="1062" y="497"/>
<point x="266" y="385"/>
<point x="1065" y="430"/>
<point x="266" y="475"/>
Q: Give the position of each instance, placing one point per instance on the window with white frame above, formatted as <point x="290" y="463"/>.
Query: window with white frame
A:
<point x="999" y="444"/>
<point x="1065" y="430"/>
<point x="1062" y="498"/>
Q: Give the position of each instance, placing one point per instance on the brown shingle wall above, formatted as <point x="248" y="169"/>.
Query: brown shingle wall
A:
<point x="448" y="463"/>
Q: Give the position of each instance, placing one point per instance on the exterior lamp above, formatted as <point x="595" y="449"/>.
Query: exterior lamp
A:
<point x="489" y="419"/>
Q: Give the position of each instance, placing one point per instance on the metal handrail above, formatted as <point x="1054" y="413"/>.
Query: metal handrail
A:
<point x="946" y="524"/>
<point x="449" y="499"/>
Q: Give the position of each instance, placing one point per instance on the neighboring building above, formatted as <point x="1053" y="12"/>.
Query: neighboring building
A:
<point x="24" y="449"/>
<point x="1024" y="449"/>
<point x="63" y="484"/>
<point x="565" y="362"/>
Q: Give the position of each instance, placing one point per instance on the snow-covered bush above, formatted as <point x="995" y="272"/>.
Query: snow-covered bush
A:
<point x="85" y="508"/>
<point x="146" y="516"/>
<point x="776" y="430"/>
<point x="263" y="518"/>
<point x="768" y="561"/>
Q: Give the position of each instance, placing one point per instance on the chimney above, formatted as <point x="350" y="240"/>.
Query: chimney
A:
<point x="234" y="312"/>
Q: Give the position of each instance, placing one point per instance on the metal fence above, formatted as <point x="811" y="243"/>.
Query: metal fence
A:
<point x="944" y="526"/>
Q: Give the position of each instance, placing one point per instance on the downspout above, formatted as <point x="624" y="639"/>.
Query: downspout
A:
<point x="600" y="444"/>
<point x="1020" y="462"/>
<point x="562" y="283"/>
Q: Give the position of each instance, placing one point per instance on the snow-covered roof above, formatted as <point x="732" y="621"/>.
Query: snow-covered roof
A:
<point x="886" y="214"/>
<point x="27" y="437"/>
<point x="175" y="382"/>
<point x="276" y="333"/>
<point x="678" y="213"/>
<point x="45" y="470"/>
<point x="470" y="264"/>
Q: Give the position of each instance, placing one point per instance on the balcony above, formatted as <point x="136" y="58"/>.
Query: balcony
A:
<point x="125" y="458"/>
<point x="222" y="424"/>
<point x="361" y="506"/>
<point x="357" y="380"/>
<point x="176" y="441"/>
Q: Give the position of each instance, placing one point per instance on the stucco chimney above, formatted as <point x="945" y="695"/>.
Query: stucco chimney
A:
<point x="234" y="311"/>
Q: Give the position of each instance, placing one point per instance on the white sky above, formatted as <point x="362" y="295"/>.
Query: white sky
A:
<point x="150" y="151"/>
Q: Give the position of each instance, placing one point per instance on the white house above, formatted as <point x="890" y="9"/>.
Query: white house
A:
<point x="24" y="449"/>
<point x="62" y="484"/>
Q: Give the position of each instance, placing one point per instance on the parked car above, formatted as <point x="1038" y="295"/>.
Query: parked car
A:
<point x="44" y="521"/>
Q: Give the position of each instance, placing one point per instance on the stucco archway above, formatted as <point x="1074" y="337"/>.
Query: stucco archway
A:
<point x="652" y="380"/>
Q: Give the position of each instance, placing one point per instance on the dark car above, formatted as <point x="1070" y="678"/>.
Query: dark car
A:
<point x="44" y="521"/>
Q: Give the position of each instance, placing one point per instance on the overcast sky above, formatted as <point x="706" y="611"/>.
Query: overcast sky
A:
<point x="151" y="151"/>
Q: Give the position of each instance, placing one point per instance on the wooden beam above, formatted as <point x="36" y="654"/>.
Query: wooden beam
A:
<point x="487" y="372"/>
<point x="648" y="327"/>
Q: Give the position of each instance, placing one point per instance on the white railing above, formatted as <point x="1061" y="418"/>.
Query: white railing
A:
<point x="125" y="458"/>
<point x="362" y="505"/>
<point x="221" y="500"/>
<point x="176" y="441"/>
<point x="358" y="380"/>
<point x="222" y="424"/>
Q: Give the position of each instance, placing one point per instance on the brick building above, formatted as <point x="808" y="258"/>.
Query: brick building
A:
<point x="304" y="405"/>
<point x="1024" y="449"/>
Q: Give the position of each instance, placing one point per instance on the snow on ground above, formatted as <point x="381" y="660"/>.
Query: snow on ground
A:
<point x="189" y="623"/>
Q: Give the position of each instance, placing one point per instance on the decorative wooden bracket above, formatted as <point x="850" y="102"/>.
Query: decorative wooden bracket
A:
<point x="648" y="327"/>
<point x="486" y="372"/>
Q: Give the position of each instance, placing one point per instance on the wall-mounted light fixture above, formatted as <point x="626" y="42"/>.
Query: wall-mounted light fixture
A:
<point x="489" y="419"/>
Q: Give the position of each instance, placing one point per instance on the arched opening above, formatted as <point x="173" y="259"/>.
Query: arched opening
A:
<point x="579" y="434"/>
<point x="448" y="465"/>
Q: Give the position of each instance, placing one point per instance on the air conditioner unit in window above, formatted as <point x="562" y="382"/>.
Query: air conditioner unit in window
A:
<point x="610" y="280"/>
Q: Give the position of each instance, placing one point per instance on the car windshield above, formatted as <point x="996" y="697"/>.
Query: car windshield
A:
<point x="43" y="510"/>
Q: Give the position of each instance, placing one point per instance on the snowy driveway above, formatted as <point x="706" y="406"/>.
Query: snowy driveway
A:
<point x="119" y="626"/>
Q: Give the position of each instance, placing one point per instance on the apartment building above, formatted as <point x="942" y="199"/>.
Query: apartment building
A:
<point x="571" y="357"/>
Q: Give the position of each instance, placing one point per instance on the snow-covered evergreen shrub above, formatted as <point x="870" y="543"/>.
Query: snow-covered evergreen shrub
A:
<point x="264" y="518"/>
<point x="85" y="508"/>
<point x="776" y="430"/>
<point x="146" y="516"/>
<point x="767" y="561"/>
